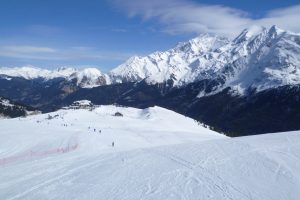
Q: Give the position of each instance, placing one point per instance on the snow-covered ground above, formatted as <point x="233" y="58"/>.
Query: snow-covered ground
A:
<point x="157" y="154"/>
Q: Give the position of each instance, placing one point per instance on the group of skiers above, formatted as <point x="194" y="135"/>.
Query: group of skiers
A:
<point x="95" y="130"/>
<point x="99" y="131"/>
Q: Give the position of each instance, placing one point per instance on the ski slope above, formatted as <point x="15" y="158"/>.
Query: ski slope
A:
<point x="157" y="154"/>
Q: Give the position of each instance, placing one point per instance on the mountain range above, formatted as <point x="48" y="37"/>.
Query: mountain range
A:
<point x="241" y="86"/>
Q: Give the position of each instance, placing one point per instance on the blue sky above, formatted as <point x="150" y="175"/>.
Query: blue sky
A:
<point x="104" y="33"/>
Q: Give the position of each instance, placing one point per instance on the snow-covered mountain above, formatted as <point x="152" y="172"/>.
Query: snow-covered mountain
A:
<point x="30" y="72"/>
<point x="258" y="58"/>
<point x="89" y="77"/>
<point x="145" y="154"/>
<point x="173" y="64"/>
<point x="85" y="78"/>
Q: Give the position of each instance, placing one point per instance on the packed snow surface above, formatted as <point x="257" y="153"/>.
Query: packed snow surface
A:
<point x="146" y="154"/>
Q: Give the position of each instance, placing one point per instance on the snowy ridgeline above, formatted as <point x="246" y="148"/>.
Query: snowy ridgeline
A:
<point x="258" y="58"/>
<point x="141" y="154"/>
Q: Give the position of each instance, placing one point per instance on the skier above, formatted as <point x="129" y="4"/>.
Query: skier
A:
<point x="113" y="144"/>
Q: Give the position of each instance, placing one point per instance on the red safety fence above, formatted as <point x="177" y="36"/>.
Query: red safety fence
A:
<point x="34" y="154"/>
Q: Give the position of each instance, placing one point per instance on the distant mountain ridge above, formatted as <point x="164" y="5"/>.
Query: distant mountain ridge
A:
<point x="85" y="78"/>
<point x="258" y="58"/>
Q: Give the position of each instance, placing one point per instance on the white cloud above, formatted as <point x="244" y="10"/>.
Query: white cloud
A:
<point x="184" y="16"/>
<point x="47" y="53"/>
<point x="287" y="18"/>
<point x="45" y="30"/>
<point x="28" y="49"/>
